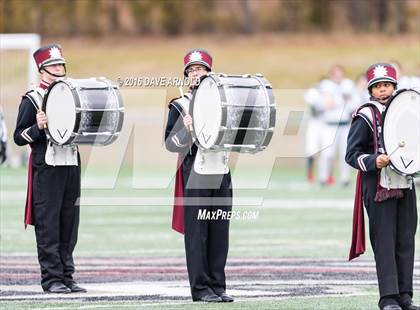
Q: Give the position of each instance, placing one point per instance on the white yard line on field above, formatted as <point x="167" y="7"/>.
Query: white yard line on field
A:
<point x="164" y="289"/>
<point x="268" y="203"/>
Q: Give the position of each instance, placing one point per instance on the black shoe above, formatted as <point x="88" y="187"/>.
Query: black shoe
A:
<point x="75" y="288"/>
<point x="58" y="288"/>
<point x="390" y="302"/>
<point x="406" y="302"/>
<point x="391" y="307"/>
<point x="225" y="297"/>
<point x="209" y="298"/>
<point x="410" y="306"/>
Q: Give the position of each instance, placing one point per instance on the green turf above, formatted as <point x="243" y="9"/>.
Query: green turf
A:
<point x="361" y="302"/>
<point x="143" y="230"/>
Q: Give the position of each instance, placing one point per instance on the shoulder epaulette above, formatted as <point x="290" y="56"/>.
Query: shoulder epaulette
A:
<point x="365" y="112"/>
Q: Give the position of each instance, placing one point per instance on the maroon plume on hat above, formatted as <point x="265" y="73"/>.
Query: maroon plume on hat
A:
<point x="48" y="55"/>
<point x="197" y="56"/>
<point x="381" y="72"/>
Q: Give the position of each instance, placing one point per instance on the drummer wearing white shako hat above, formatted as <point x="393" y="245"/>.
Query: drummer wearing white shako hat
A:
<point x="53" y="181"/>
<point x="391" y="207"/>
<point x="206" y="241"/>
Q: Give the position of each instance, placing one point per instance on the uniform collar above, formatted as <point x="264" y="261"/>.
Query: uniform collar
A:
<point x="44" y="85"/>
<point x="381" y="107"/>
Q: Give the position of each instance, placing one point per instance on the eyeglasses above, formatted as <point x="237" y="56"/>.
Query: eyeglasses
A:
<point x="195" y="69"/>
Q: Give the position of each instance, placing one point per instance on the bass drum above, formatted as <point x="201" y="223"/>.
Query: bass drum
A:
<point x="401" y="126"/>
<point x="83" y="111"/>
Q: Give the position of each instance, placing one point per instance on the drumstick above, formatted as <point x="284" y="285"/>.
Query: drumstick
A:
<point x="45" y="125"/>
<point x="190" y="128"/>
<point x="181" y="91"/>
<point x="401" y="144"/>
<point x="37" y="111"/>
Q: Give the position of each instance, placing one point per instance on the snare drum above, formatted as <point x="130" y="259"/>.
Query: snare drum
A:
<point x="402" y="124"/>
<point x="83" y="111"/>
<point x="233" y="113"/>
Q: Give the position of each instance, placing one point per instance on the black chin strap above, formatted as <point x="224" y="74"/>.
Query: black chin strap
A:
<point x="56" y="75"/>
<point x="377" y="99"/>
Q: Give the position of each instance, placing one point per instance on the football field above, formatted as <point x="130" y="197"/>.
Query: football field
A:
<point x="289" y="246"/>
<point x="287" y="251"/>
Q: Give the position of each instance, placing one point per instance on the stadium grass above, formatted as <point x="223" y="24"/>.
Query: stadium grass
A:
<point x="366" y="301"/>
<point x="144" y="230"/>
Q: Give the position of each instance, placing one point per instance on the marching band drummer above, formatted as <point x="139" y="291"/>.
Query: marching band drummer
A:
<point x="392" y="212"/>
<point x="53" y="181"/>
<point x="206" y="241"/>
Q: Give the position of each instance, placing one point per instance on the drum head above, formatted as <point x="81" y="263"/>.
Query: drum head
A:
<point x="402" y="124"/>
<point x="60" y="109"/>
<point x="207" y="113"/>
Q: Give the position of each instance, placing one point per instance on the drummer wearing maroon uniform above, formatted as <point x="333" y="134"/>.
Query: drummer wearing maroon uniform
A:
<point x="206" y="240"/>
<point x="53" y="190"/>
<point x="392" y="211"/>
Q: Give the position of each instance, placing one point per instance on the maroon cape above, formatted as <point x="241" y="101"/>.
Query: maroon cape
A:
<point x="28" y="207"/>
<point x="358" y="240"/>
<point x="178" y="210"/>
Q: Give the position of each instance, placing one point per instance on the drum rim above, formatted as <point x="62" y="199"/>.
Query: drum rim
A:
<point x="117" y="94"/>
<point x="397" y="93"/>
<point x="214" y="77"/>
<point x="268" y="134"/>
<point x="77" y="104"/>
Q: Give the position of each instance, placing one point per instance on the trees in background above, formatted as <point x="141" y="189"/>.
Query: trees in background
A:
<point x="176" y="17"/>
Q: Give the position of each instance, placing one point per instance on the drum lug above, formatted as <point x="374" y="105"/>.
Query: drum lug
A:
<point x="218" y="84"/>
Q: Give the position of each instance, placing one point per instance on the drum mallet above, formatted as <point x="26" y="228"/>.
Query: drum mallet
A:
<point x="45" y="125"/>
<point x="401" y="144"/>
<point x="37" y="111"/>
<point x="190" y="128"/>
